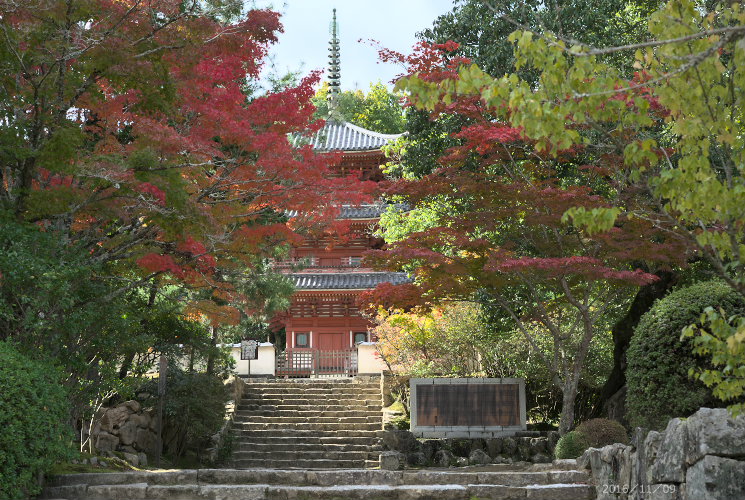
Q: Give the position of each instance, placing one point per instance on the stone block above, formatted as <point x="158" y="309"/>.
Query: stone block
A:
<point x="538" y="445"/>
<point x="390" y="460"/>
<point x="551" y="439"/>
<point x="585" y="460"/>
<point x="478" y="457"/>
<point x="509" y="446"/>
<point x="243" y="492"/>
<point x="132" y="458"/>
<point x="128" y="432"/>
<point x="106" y="442"/>
<point x="142" y="420"/>
<point x="715" y="432"/>
<point x="147" y="441"/>
<point x="716" y="478"/>
<point x="561" y="492"/>
<point x="494" y="447"/>
<point x="133" y="491"/>
<point x="540" y="458"/>
<point x="113" y="418"/>
<point x="399" y="440"/>
<point x="429" y="448"/>
<point x="133" y="405"/>
<point x="665" y="492"/>
<point x="670" y="463"/>
<point x="416" y="459"/>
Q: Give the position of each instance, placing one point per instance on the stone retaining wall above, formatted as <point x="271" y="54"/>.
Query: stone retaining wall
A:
<point x="528" y="446"/>
<point x="699" y="458"/>
<point x="128" y="429"/>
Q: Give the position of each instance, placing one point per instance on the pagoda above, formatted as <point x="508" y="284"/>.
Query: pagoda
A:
<point x="324" y="324"/>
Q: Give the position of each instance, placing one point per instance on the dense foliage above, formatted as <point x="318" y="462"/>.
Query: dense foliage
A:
<point x="378" y="109"/>
<point x="673" y="165"/>
<point x="659" y="385"/>
<point x="145" y="184"/>
<point x="571" y="445"/>
<point x="593" y="433"/>
<point x="493" y="228"/>
<point x="34" y="431"/>
<point x="194" y="409"/>
<point x="458" y="340"/>
<point x="721" y="338"/>
<point x="601" y="432"/>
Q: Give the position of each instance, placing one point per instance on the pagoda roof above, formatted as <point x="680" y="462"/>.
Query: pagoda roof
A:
<point x="344" y="136"/>
<point x="362" y="212"/>
<point x="346" y="281"/>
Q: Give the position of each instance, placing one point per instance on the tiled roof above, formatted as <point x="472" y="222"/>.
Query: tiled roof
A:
<point x="362" y="211"/>
<point x="345" y="137"/>
<point x="355" y="212"/>
<point x="346" y="281"/>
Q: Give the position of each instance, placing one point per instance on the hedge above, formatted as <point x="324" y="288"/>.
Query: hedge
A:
<point x="659" y="387"/>
<point x="34" y="429"/>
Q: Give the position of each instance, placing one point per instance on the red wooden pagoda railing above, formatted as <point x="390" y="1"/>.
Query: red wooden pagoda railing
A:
<point x="307" y="362"/>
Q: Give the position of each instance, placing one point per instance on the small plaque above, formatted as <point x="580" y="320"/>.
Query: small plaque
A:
<point x="249" y="350"/>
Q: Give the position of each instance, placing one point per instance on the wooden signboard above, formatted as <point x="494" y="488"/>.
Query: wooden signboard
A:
<point x="467" y="407"/>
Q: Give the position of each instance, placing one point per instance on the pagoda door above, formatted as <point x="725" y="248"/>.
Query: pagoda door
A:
<point x="332" y="347"/>
<point x="332" y="341"/>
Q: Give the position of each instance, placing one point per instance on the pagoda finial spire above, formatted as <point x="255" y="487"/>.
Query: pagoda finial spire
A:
<point x="334" y="76"/>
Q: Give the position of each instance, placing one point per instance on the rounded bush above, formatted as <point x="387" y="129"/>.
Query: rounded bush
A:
<point x="571" y="445"/>
<point x="659" y="387"/>
<point x="34" y="414"/>
<point x="601" y="432"/>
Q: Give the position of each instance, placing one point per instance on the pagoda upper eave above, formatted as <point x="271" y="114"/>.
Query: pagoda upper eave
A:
<point x="345" y="281"/>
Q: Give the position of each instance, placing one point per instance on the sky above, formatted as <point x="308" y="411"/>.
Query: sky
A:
<point x="394" y="23"/>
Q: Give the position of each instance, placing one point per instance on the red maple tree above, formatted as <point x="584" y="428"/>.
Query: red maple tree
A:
<point x="496" y="231"/>
<point x="127" y="127"/>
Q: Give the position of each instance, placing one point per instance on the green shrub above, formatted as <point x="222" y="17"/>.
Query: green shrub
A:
<point x="659" y="386"/>
<point x="571" y="445"/>
<point x="602" y="432"/>
<point x="194" y="409"/>
<point x="34" y="415"/>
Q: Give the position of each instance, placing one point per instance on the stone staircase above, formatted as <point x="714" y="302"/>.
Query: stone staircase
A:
<point x="308" y="423"/>
<point x="499" y="483"/>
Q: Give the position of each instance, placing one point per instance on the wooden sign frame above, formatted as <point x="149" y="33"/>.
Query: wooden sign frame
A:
<point x="467" y="407"/>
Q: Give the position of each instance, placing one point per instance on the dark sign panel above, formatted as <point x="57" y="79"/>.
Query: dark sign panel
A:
<point x="485" y="405"/>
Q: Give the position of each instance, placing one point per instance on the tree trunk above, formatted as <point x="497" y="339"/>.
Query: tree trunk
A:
<point x="211" y="354"/>
<point x="129" y="357"/>
<point x="623" y="330"/>
<point x="569" y="395"/>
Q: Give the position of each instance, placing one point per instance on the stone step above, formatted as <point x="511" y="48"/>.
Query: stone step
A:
<point x="349" y="418"/>
<point x="307" y="485"/>
<point x="340" y="492"/>
<point x="309" y="426"/>
<point x="271" y="455"/>
<point x="305" y="433"/>
<point x="289" y="440"/>
<point x="310" y="382"/>
<point x="302" y="446"/>
<point x="308" y="408"/>
<point x="314" y="394"/>
<point x="313" y="381"/>
<point x="294" y="463"/>
<point x="327" y="477"/>
<point x="310" y="389"/>
<point x="346" y="397"/>
<point x="300" y="400"/>
<point x="358" y="411"/>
